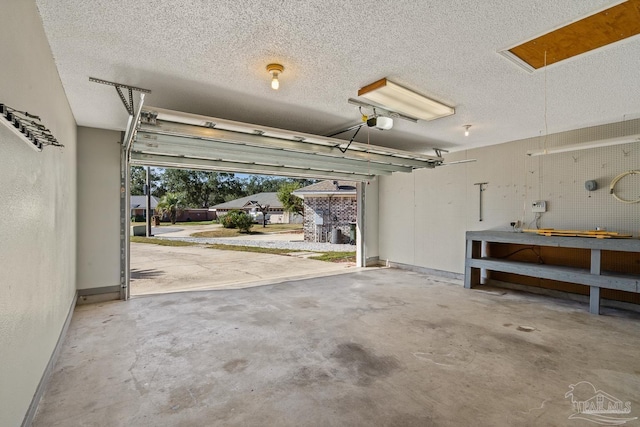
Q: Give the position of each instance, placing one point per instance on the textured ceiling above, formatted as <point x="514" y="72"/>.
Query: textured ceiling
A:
<point x="209" y="57"/>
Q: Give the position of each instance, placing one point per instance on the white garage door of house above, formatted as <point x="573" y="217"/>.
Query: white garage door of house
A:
<point x="167" y="138"/>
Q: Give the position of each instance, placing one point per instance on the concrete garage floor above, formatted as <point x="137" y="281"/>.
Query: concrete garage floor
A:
<point x="379" y="347"/>
<point x="161" y="269"/>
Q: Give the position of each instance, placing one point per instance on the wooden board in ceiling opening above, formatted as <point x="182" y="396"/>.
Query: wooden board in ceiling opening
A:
<point x="603" y="28"/>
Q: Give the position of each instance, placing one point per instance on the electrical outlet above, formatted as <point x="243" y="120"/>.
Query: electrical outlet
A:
<point x="539" y="206"/>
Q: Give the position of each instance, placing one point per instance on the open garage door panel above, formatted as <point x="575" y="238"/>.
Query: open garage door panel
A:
<point x="173" y="139"/>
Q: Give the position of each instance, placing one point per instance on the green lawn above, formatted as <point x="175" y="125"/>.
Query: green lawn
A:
<point x="322" y="256"/>
<point x="220" y="232"/>
<point x="256" y="229"/>
<point x="336" y="256"/>
<point x="270" y="228"/>
<point x="161" y="242"/>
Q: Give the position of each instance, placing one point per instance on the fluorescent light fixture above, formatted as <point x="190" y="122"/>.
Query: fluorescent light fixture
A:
<point x="584" y="146"/>
<point x="397" y="98"/>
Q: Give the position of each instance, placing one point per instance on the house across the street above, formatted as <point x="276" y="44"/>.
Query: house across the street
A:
<point x="192" y="214"/>
<point x="139" y="206"/>
<point x="253" y="205"/>
<point x="139" y="211"/>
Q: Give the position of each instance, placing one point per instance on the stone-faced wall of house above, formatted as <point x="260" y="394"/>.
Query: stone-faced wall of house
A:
<point x="323" y="214"/>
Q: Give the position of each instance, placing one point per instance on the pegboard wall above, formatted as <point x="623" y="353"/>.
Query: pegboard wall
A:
<point x="441" y="204"/>
<point x="559" y="179"/>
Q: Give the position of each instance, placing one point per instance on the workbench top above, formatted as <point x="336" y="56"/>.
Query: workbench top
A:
<point x="623" y="245"/>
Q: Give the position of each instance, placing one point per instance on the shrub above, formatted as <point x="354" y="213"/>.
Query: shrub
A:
<point x="229" y="219"/>
<point x="244" y="222"/>
<point x="237" y="219"/>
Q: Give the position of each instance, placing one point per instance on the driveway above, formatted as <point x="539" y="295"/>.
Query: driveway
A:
<point x="278" y="240"/>
<point x="161" y="269"/>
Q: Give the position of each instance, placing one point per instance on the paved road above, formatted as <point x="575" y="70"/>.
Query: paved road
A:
<point x="164" y="230"/>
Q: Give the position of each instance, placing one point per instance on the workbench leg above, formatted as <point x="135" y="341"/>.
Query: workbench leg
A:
<point x="594" y="291"/>
<point x="471" y="275"/>
<point x="594" y="300"/>
<point x="596" y="260"/>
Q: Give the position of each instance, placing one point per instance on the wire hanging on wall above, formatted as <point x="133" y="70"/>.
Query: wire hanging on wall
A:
<point x="612" y="187"/>
<point x="28" y="127"/>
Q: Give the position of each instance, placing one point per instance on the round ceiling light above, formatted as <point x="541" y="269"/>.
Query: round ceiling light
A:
<point x="275" y="70"/>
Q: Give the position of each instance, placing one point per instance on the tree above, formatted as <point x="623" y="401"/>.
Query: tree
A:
<point x="200" y="188"/>
<point x="170" y="204"/>
<point x="264" y="209"/>
<point x="138" y="179"/>
<point x="290" y="202"/>
<point x="229" y="188"/>
<point x="255" y="184"/>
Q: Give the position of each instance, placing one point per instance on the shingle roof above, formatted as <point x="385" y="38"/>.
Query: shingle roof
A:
<point x="328" y="186"/>
<point x="270" y="199"/>
<point x="140" y="202"/>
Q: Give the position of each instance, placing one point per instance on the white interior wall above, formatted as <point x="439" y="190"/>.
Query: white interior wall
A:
<point x="396" y="217"/>
<point x="371" y="210"/>
<point x="38" y="224"/>
<point x="98" y="208"/>
<point x="424" y="216"/>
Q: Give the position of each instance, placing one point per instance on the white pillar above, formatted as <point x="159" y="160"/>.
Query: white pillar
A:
<point x="361" y="256"/>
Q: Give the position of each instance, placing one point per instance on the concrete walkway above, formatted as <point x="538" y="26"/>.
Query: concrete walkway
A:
<point x="161" y="269"/>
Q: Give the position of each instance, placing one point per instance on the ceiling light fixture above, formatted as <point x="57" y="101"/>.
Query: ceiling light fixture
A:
<point x="275" y="70"/>
<point x="466" y="129"/>
<point x="397" y="98"/>
<point x="584" y="146"/>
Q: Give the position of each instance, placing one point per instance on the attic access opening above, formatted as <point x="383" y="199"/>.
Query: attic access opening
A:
<point x="598" y="30"/>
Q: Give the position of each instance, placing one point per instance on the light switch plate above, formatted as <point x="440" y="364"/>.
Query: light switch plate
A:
<point x="539" y="206"/>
